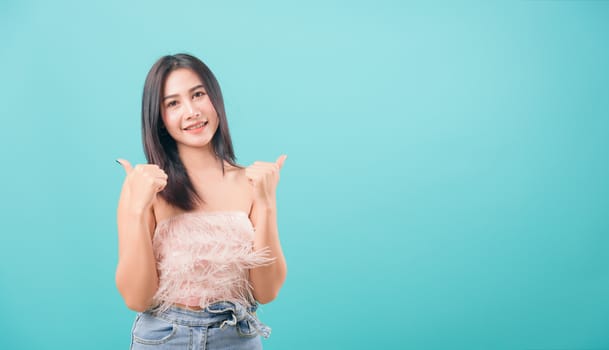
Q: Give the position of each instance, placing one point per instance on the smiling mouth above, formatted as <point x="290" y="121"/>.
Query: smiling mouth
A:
<point x="197" y="126"/>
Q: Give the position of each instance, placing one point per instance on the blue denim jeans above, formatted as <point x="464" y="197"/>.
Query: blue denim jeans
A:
<point x="221" y="325"/>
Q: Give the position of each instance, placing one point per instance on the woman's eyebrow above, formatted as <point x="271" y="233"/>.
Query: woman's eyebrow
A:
<point x="191" y="90"/>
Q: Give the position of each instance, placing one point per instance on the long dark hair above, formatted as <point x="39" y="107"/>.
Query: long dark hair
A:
<point x="160" y="148"/>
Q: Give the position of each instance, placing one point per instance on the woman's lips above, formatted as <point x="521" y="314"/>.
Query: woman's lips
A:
<point x="196" y="128"/>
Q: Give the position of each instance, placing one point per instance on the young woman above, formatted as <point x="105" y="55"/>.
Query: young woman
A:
<point x="198" y="239"/>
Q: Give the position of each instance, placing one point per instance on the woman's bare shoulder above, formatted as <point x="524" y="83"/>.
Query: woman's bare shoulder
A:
<point x="234" y="173"/>
<point x="233" y="168"/>
<point x="243" y="193"/>
<point x="163" y="210"/>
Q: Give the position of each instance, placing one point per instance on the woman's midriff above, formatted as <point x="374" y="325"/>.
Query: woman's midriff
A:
<point x="189" y="307"/>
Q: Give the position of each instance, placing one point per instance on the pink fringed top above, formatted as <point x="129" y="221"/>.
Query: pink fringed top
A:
<point x="203" y="257"/>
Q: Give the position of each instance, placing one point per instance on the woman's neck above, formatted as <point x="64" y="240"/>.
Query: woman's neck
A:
<point x="200" y="162"/>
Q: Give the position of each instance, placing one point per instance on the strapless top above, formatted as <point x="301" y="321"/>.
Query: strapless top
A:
<point x="204" y="257"/>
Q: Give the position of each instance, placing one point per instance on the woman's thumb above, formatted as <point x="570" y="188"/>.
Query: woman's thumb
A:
<point x="126" y="165"/>
<point x="281" y="160"/>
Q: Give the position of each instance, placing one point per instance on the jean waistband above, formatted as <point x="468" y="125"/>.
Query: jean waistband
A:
<point x="224" y="313"/>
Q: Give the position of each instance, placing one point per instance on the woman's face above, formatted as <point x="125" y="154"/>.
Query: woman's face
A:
<point x="187" y="111"/>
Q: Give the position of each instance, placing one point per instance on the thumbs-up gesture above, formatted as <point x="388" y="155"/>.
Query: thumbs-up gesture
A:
<point x="264" y="177"/>
<point x="141" y="185"/>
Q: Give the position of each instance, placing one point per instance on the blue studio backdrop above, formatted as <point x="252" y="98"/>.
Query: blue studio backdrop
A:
<point x="447" y="180"/>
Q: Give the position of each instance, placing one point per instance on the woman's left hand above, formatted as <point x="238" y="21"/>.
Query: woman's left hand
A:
<point x="264" y="177"/>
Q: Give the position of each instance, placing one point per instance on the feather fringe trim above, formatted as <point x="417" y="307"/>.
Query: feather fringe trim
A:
<point x="203" y="257"/>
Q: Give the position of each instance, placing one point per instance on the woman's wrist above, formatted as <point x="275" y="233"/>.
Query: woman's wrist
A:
<point x="135" y="211"/>
<point x="267" y="206"/>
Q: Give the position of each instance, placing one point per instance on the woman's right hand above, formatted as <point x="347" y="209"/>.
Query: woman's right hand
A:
<point x="141" y="185"/>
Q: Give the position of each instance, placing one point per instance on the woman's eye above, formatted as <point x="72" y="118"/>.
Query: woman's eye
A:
<point x="172" y="103"/>
<point x="199" y="94"/>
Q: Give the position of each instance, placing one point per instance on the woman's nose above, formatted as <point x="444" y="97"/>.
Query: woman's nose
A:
<point x="192" y="110"/>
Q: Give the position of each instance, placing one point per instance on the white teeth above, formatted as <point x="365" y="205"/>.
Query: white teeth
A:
<point x="196" y="126"/>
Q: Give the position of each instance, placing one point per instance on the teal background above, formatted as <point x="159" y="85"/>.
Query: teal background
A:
<point x="447" y="180"/>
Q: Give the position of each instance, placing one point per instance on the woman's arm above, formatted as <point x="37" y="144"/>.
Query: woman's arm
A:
<point x="267" y="280"/>
<point x="136" y="275"/>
